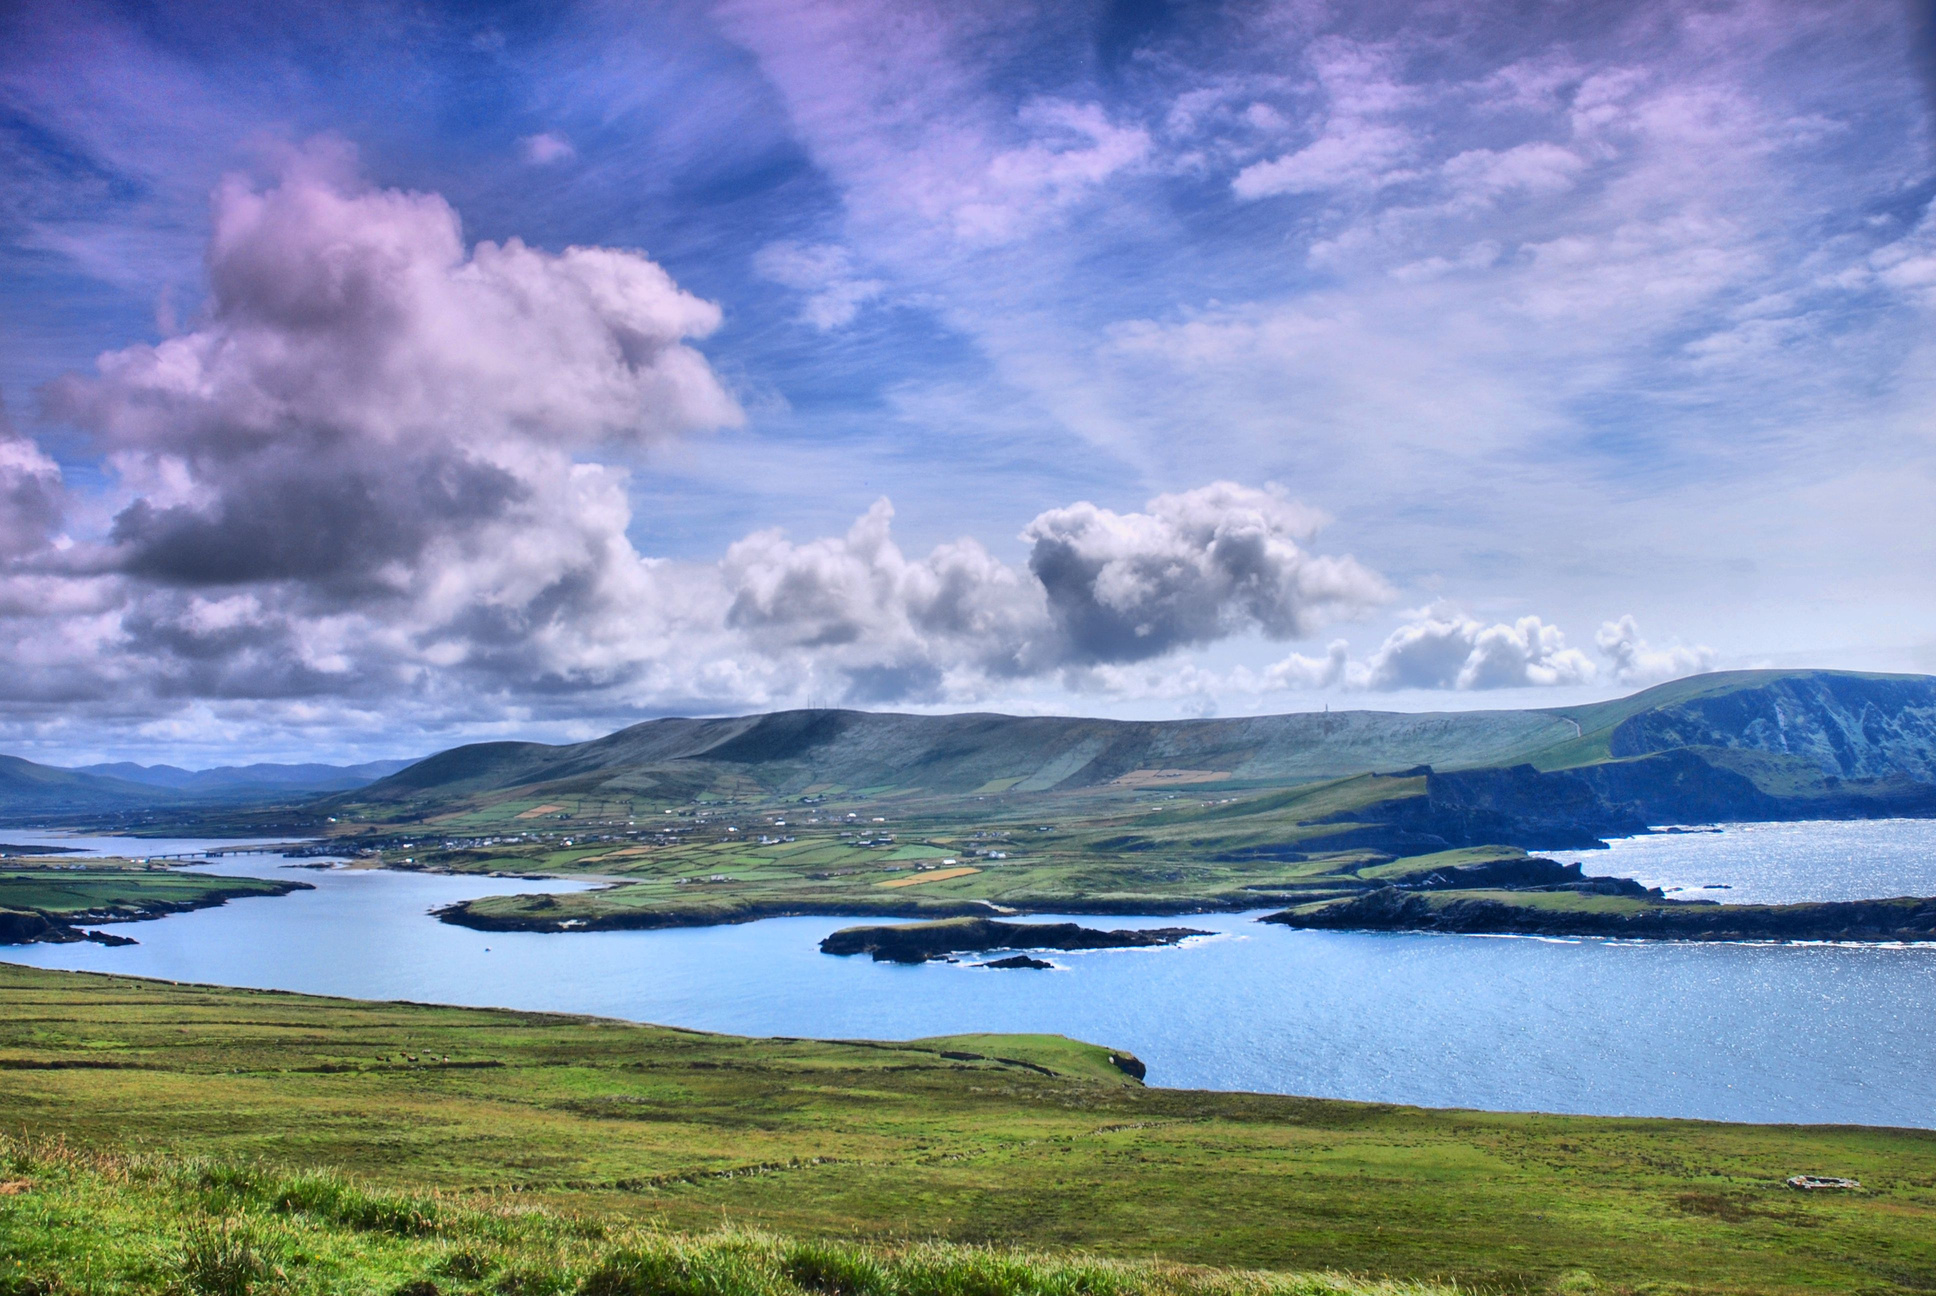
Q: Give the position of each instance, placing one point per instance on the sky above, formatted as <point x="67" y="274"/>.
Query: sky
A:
<point x="383" y="376"/>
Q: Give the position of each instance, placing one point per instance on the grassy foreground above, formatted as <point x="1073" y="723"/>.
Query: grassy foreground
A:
<point x="106" y="1223"/>
<point x="611" y="1131"/>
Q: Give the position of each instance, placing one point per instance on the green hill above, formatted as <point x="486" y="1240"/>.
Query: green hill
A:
<point x="1785" y="732"/>
<point x="30" y="789"/>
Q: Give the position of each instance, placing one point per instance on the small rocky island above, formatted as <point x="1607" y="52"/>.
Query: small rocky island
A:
<point x="922" y="941"/>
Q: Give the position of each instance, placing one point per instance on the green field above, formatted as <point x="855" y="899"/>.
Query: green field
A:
<point x="609" y="1129"/>
<point x="101" y="889"/>
<point x="1118" y="851"/>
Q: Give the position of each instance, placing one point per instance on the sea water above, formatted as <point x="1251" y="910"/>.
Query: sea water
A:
<point x="1761" y="1032"/>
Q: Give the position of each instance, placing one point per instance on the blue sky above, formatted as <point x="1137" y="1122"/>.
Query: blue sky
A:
<point x="1214" y="359"/>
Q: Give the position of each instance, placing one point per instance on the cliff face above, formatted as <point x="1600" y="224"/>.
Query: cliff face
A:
<point x="1846" y="726"/>
<point x="1521" y="806"/>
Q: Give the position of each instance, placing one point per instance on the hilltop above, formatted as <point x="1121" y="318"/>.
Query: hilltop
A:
<point x="1767" y="744"/>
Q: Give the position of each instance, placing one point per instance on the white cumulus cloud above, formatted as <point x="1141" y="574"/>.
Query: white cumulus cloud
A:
<point x="1635" y="661"/>
<point x="1449" y="650"/>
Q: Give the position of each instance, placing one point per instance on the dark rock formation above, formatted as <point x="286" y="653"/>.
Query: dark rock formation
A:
<point x="28" y="926"/>
<point x="919" y="942"/>
<point x="1531" y="873"/>
<point x="1019" y="961"/>
<point x="1393" y="909"/>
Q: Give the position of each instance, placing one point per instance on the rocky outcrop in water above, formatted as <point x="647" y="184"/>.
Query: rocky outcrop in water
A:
<point x="1529" y="873"/>
<point x="919" y="942"/>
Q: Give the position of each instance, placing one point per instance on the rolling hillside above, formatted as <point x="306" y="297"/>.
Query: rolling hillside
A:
<point x="30" y="789"/>
<point x="1766" y="734"/>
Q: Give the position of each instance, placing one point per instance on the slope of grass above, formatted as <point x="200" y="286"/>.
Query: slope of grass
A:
<point x="1033" y="1143"/>
<point x="110" y="1223"/>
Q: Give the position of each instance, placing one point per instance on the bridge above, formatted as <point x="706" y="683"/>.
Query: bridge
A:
<point x="218" y="852"/>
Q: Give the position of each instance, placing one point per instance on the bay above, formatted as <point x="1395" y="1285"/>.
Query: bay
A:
<point x="1762" y="1032"/>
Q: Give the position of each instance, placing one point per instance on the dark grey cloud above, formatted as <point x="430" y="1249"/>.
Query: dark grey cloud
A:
<point x="1196" y="567"/>
<point x="330" y="521"/>
<point x="31" y="497"/>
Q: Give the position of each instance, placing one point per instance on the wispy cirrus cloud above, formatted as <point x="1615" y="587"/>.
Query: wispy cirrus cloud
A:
<point x="1554" y="311"/>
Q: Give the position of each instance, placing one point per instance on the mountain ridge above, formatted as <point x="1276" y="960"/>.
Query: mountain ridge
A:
<point x="1835" y="733"/>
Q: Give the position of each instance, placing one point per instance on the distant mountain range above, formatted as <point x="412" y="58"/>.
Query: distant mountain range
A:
<point x="29" y="789"/>
<point x="1740" y="744"/>
<point x="250" y="779"/>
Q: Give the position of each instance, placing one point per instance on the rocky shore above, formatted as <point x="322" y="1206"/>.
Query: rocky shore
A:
<point x="32" y="927"/>
<point x="920" y="942"/>
<point x="19" y="926"/>
<point x="1394" y="909"/>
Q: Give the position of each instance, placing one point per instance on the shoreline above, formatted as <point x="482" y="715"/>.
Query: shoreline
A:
<point x="1902" y="920"/>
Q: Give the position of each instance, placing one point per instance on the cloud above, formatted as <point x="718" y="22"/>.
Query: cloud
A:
<point x="890" y="100"/>
<point x="1443" y="649"/>
<point x="1198" y="566"/>
<point x="365" y="388"/>
<point x="1362" y="143"/>
<point x="365" y="473"/>
<point x="31" y="494"/>
<point x="365" y="470"/>
<point x="362" y="473"/>
<point x="1099" y="589"/>
<point x="545" y="149"/>
<point x="1449" y="651"/>
<point x="1361" y="156"/>
<point x="824" y="273"/>
<point x="1908" y="265"/>
<point x="1636" y="662"/>
<point x="1300" y="674"/>
<point x="1534" y="168"/>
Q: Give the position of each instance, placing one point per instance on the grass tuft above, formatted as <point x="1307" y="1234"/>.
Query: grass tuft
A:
<point x="223" y="1258"/>
<point x="324" y="1195"/>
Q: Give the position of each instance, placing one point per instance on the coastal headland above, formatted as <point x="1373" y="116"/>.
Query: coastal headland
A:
<point x="58" y="900"/>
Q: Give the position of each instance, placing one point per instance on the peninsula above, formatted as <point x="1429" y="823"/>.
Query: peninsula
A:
<point x="57" y="901"/>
